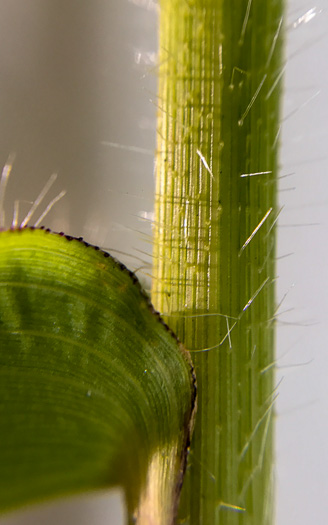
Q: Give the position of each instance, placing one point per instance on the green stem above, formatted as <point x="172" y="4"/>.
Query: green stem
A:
<point x="214" y="241"/>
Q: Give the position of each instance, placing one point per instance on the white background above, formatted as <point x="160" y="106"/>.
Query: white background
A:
<point x="77" y="74"/>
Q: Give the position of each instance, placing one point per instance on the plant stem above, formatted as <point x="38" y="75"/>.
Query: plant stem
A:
<point x="214" y="241"/>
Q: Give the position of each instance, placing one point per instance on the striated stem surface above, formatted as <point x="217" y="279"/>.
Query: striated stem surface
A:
<point x="214" y="240"/>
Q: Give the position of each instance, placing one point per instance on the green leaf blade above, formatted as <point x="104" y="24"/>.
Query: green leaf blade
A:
<point x="92" y="383"/>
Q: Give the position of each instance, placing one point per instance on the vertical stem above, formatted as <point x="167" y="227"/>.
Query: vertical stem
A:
<point x="214" y="241"/>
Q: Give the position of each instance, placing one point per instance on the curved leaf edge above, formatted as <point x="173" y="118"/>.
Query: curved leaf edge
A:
<point x="178" y="457"/>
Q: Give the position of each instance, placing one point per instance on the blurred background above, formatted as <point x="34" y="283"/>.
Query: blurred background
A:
<point x="78" y="98"/>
